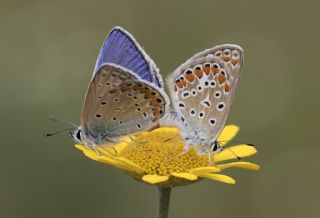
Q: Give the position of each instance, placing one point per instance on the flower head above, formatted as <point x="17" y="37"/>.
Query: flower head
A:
<point x="158" y="157"/>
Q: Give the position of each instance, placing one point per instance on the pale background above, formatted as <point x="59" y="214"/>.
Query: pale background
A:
<point x="47" y="53"/>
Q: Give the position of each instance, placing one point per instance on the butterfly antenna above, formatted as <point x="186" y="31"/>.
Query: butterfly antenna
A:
<point x="238" y="157"/>
<point x="240" y="142"/>
<point x="235" y="141"/>
<point x="58" y="132"/>
<point x="62" y="121"/>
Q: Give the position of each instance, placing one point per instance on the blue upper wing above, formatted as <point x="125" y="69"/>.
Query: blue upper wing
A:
<point x="122" y="49"/>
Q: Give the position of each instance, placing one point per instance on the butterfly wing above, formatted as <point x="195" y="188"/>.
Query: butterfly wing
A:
<point x="122" y="49"/>
<point x="106" y="78"/>
<point x="129" y="107"/>
<point x="204" y="87"/>
<point x="231" y="55"/>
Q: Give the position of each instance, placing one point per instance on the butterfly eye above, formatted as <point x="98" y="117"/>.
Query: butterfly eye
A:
<point x="215" y="146"/>
<point x="78" y="135"/>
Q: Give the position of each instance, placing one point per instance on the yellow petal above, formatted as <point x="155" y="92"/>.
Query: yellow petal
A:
<point x="80" y="147"/>
<point x="234" y="152"/>
<point x="159" y="135"/>
<point x="166" y="131"/>
<point x="244" y="165"/>
<point x="118" y="164"/>
<point x="130" y="165"/>
<point x="187" y="176"/>
<point x="202" y="170"/>
<point x="227" y="134"/>
<point x="89" y="153"/>
<point x="108" y="151"/>
<point x="107" y="160"/>
<point x="219" y="178"/>
<point x="122" y="145"/>
<point x="154" y="179"/>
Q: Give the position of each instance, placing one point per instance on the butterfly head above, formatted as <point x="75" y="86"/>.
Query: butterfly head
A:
<point x="209" y="147"/>
<point x="77" y="135"/>
<point x="215" y="147"/>
<point x="204" y="146"/>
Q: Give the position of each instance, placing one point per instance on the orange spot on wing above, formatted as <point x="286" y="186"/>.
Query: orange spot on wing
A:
<point x="221" y="78"/>
<point x="156" y="114"/>
<point x="189" y="77"/>
<point x="214" y="70"/>
<point x="199" y="73"/>
<point x="226" y="87"/>
<point x="234" y="62"/>
<point x="124" y="88"/>
<point x="148" y="94"/>
<point x="179" y="84"/>
<point x="206" y="69"/>
<point x="184" y="83"/>
<point x="136" y="87"/>
<point x="226" y="58"/>
<point x="154" y="103"/>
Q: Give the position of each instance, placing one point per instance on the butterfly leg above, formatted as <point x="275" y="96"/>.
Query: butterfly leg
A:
<point x="185" y="150"/>
<point x="211" y="162"/>
<point x="133" y="145"/>
<point x="135" y="140"/>
<point x="173" y="146"/>
<point x="94" y="146"/>
<point x="169" y="139"/>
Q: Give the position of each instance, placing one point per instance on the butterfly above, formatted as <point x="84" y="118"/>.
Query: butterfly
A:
<point x="202" y="91"/>
<point x="125" y="94"/>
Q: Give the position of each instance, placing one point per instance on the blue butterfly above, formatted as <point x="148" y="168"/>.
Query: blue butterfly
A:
<point x="125" y="95"/>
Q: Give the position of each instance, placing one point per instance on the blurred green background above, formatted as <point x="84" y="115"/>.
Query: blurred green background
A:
<point x="47" y="53"/>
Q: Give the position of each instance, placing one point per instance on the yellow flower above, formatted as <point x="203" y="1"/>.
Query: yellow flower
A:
<point x="158" y="157"/>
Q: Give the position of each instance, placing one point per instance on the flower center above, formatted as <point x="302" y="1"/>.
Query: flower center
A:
<point x="162" y="152"/>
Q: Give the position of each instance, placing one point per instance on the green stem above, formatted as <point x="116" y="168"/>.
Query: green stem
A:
<point x="163" y="202"/>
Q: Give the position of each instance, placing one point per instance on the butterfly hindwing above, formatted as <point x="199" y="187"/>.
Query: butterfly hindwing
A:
<point x="122" y="49"/>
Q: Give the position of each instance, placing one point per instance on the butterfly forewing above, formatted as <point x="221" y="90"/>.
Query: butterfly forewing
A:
<point x="203" y="89"/>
